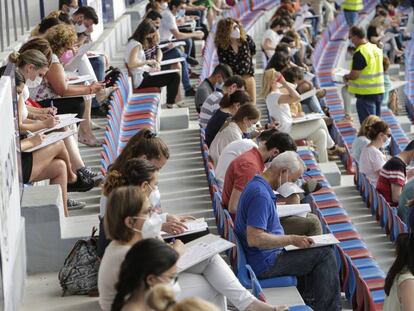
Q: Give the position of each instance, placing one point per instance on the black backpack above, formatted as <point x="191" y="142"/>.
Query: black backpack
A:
<point x="79" y="274"/>
<point x="112" y="74"/>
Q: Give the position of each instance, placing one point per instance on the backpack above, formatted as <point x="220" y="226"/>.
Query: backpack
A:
<point x="79" y="274"/>
<point x="112" y="74"/>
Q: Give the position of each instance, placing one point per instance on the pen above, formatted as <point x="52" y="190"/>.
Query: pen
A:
<point x="51" y="103"/>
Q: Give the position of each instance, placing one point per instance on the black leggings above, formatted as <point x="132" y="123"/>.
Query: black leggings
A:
<point x="171" y="80"/>
<point x="66" y="105"/>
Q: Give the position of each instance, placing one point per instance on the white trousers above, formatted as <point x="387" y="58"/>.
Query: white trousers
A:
<point x="317" y="131"/>
<point x="214" y="281"/>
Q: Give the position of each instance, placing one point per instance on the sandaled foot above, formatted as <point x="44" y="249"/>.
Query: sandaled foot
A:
<point x="91" y="141"/>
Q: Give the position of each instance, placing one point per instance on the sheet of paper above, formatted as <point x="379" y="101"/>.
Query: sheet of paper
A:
<point x="80" y="79"/>
<point x="74" y="62"/>
<point x="397" y="84"/>
<point x="65" y="116"/>
<point x="201" y="249"/>
<point x="289" y="188"/>
<point x="338" y="74"/>
<point x="309" y="76"/>
<point x="319" y="241"/>
<point x="308" y="117"/>
<point x="284" y="210"/>
<point x="172" y="61"/>
<point x="62" y="123"/>
<point x="162" y="72"/>
<point x="307" y="94"/>
<point x="176" y="44"/>
<point x="193" y="226"/>
<point x="52" y="138"/>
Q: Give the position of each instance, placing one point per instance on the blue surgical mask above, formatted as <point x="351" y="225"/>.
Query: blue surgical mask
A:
<point x="387" y="143"/>
<point x="218" y="86"/>
<point x="180" y="13"/>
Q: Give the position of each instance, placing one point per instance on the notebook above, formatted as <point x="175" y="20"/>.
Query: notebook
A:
<point x="319" y="241"/>
<point x="194" y="226"/>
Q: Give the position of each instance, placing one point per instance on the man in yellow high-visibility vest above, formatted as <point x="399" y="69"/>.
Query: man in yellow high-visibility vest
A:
<point x="351" y="10"/>
<point x="366" y="79"/>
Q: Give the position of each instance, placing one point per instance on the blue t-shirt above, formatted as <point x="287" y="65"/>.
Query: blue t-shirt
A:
<point x="257" y="209"/>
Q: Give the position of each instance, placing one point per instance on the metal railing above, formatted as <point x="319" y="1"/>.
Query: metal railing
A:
<point x="14" y="21"/>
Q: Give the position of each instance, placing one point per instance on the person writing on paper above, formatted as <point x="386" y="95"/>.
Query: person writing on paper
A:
<point x="263" y="238"/>
<point x="366" y="79"/>
<point x="273" y="35"/>
<point x="243" y="122"/>
<point x="48" y="91"/>
<point x="83" y="19"/>
<point x="212" y="103"/>
<point x="279" y="95"/>
<point x="213" y="83"/>
<point x="399" y="283"/>
<point x="372" y="159"/>
<point x="394" y="175"/>
<point x="229" y="105"/>
<point x="236" y="49"/>
<point x="243" y="168"/>
<point x="148" y="280"/>
<point x="129" y="219"/>
<point x="144" y="38"/>
<point x="362" y="139"/>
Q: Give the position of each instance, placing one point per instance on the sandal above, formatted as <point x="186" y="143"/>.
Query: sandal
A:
<point x="90" y="143"/>
<point x="103" y="94"/>
<point x="321" y="93"/>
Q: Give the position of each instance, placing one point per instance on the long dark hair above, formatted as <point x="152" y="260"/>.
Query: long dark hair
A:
<point x="404" y="259"/>
<point x="148" y="256"/>
<point x="144" y="29"/>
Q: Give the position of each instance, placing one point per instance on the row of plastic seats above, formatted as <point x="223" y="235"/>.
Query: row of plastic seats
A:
<point x="383" y="212"/>
<point x="409" y="76"/>
<point x="128" y="113"/>
<point x="355" y="261"/>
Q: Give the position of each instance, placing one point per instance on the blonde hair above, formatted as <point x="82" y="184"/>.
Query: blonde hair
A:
<point x="223" y="31"/>
<point x="268" y="78"/>
<point x="161" y="298"/>
<point x="366" y="124"/>
<point x="61" y="37"/>
<point x="32" y="57"/>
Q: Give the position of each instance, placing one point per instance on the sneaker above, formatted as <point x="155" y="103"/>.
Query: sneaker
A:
<point x="192" y="61"/>
<point x="83" y="183"/>
<point x="336" y="150"/>
<point x="190" y="92"/>
<point x="74" y="205"/>
<point x="87" y="172"/>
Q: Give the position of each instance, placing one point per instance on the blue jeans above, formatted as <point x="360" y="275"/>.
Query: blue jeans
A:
<point x="351" y="17"/>
<point x="177" y="53"/>
<point x="311" y="104"/>
<point x="367" y="105"/>
<point x="98" y="65"/>
<point x="318" y="276"/>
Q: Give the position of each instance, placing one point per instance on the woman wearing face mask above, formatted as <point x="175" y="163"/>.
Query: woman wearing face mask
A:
<point x="279" y="94"/>
<point x="236" y="49"/>
<point x="372" y="159"/>
<point x="144" y="38"/>
<point x="243" y="122"/>
<point x="229" y="105"/>
<point x="129" y="220"/>
<point x="148" y="281"/>
<point x="48" y="91"/>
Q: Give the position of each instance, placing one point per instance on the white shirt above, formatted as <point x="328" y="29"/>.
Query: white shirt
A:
<point x="359" y="143"/>
<point x="229" y="153"/>
<point x="168" y="22"/>
<point x="370" y="163"/>
<point x="137" y="72"/>
<point x="279" y="112"/>
<point x="210" y="105"/>
<point x="224" y="137"/>
<point x="274" y="38"/>
<point x="109" y="273"/>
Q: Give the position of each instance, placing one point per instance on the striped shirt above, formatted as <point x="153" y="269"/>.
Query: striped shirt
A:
<point x="393" y="172"/>
<point x="208" y="108"/>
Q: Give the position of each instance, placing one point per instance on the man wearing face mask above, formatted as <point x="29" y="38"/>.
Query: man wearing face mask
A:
<point x="243" y="168"/>
<point x="263" y="238"/>
<point x="83" y="19"/>
<point x="394" y="174"/>
<point x="213" y="83"/>
<point x="68" y="6"/>
<point x="273" y="35"/>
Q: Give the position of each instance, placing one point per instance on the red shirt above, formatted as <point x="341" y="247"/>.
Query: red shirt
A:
<point x="393" y="172"/>
<point x="240" y="171"/>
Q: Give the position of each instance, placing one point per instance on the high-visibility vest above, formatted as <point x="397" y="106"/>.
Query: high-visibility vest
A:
<point x="371" y="78"/>
<point x="352" y="5"/>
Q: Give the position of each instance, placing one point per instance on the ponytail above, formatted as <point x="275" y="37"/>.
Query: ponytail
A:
<point x="161" y="298"/>
<point x="32" y="57"/>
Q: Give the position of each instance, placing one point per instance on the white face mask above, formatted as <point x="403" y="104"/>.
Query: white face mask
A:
<point x="25" y="93"/>
<point x="175" y="287"/>
<point x="34" y="83"/>
<point x="164" y="5"/>
<point x="80" y="28"/>
<point x="72" y="11"/>
<point x="251" y="128"/>
<point x="155" y="197"/>
<point x="235" y="34"/>
<point x="218" y="86"/>
<point x="151" y="227"/>
<point x="293" y="51"/>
